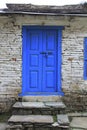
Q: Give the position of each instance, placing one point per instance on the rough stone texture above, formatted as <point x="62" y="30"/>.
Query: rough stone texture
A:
<point x="79" y="123"/>
<point x="31" y="119"/>
<point x="76" y="129"/>
<point x="57" y="105"/>
<point x="67" y="9"/>
<point x="43" y="108"/>
<point x="76" y="114"/>
<point x="3" y="126"/>
<point x="29" y="105"/>
<point x="6" y="103"/>
<point x="39" y="105"/>
<point x="10" y="61"/>
<point x="37" y="121"/>
<point x="75" y="101"/>
<point x="73" y="83"/>
<point x="63" y="119"/>
<point x="40" y="98"/>
<point x="14" y="127"/>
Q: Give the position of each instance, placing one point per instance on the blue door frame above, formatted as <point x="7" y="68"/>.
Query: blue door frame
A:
<point x="24" y="59"/>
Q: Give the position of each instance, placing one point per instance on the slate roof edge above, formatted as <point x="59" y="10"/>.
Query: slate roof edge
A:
<point x="66" y="9"/>
<point x="47" y="14"/>
<point x="30" y="9"/>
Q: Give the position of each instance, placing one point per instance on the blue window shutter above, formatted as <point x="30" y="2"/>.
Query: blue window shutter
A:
<point x="85" y="58"/>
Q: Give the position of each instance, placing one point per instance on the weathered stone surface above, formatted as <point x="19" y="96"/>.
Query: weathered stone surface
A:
<point x="76" y="129"/>
<point x="79" y="123"/>
<point x="40" y="128"/>
<point x="63" y="119"/>
<point x="17" y="127"/>
<point x="72" y="57"/>
<point x="75" y="101"/>
<point x="37" y="98"/>
<point x="67" y="9"/>
<point x="78" y="114"/>
<point x="55" y="104"/>
<point x="37" y="108"/>
<point x="55" y="124"/>
<point x="29" y="105"/>
<point x="3" y="126"/>
<point x="39" y="105"/>
<point x="31" y="119"/>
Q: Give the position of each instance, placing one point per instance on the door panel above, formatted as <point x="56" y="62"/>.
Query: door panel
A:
<point x="49" y="79"/>
<point x="34" y="81"/>
<point x="34" y="61"/>
<point x="49" y="61"/>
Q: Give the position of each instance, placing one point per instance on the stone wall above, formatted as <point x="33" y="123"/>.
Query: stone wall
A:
<point x="75" y="101"/>
<point x="73" y="83"/>
<point x="10" y="61"/>
<point x="73" y="55"/>
<point x="11" y="55"/>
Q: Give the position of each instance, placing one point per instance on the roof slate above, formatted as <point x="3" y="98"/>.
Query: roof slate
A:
<point x="67" y="9"/>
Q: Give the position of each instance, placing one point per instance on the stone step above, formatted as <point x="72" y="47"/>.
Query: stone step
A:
<point x="43" y="98"/>
<point x="43" y="108"/>
<point x="63" y="119"/>
<point x="29" y="119"/>
<point x="35" y="122"/>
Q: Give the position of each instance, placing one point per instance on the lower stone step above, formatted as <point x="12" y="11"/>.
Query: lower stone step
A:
<point x="43" y="108"/>
<point x="35" y="122"/>
<point x="31" y="119"/>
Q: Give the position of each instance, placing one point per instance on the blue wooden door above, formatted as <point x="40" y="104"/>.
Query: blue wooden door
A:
<point x="49" y="60"/>
<point x="41" y="61"/>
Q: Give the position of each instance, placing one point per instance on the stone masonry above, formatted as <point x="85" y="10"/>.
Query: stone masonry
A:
<point x="11" y="55"/>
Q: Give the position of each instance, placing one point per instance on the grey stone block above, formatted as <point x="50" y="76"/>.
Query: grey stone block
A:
<point x="37" y="108"/>
<point x="29" y="105"/>
<point x="3" y="126"/>
<point x="31" y="119"/>
<point x="55" y="104"/>
<point x="14" y="127"/>
<point x="79" y="123"/>
<point x="63" y="119"/>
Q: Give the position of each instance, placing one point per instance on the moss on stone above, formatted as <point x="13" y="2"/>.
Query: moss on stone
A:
<point x="4" y="117"/>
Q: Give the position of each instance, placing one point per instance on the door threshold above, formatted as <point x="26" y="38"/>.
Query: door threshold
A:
<point x="42" y="94"/>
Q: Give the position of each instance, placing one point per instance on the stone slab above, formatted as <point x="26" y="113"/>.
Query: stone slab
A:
<point x="14" y="127"/>
<point x="63" y="119"/>
<point x="31" y="119"/>
<point x="79" y="122"/>
<point x="3" y="126"/>
<point x="55" y="104"/>
<point x="40" y="98"/>
<point x="29" y="105"/>
<point x="76" y="129"/>
<point x="78" y="114"/>
<point x="59" y="105"/>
